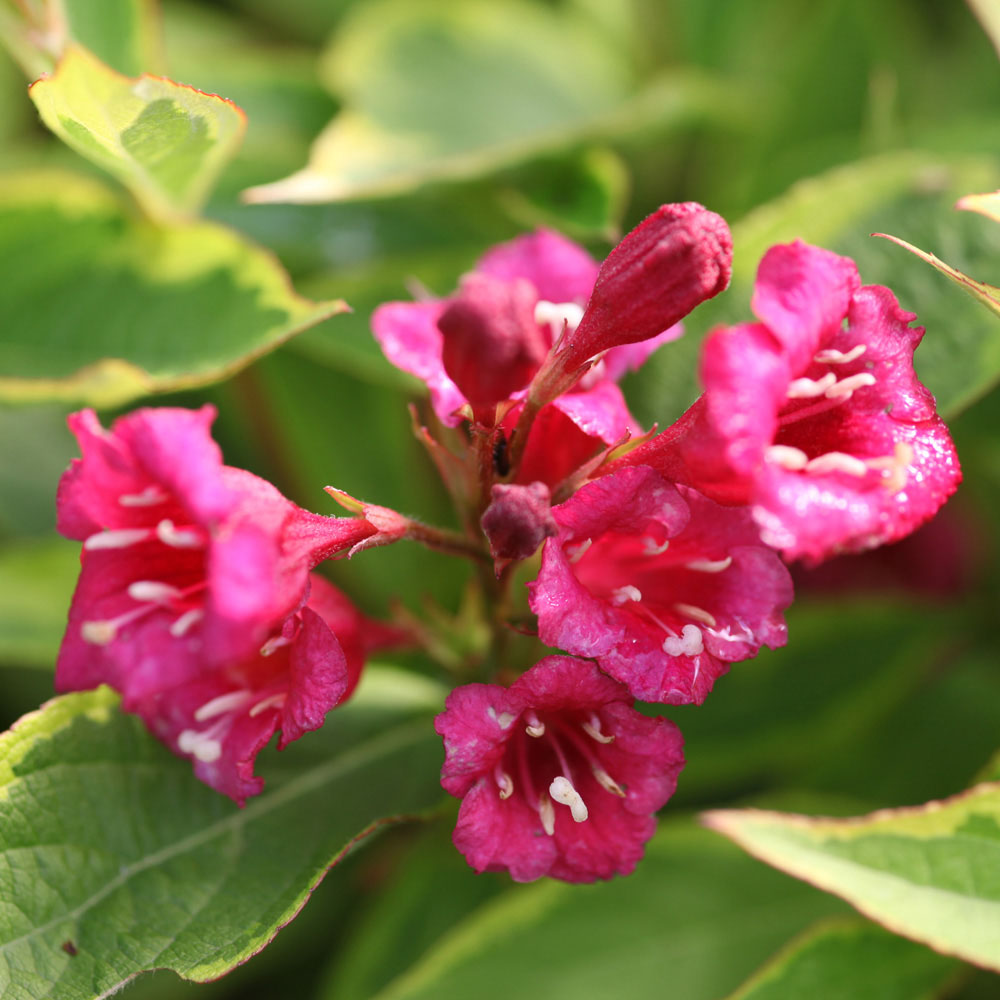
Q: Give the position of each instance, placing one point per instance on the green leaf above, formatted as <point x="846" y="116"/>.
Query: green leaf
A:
<point x="115" y="860"/>
<point x="850" y="959"/>
<point x="800" y="695"/>
<point x="987" y="295"/>
<point x="910" y="194"/>
<point x="35" y="449"/>
<point x="166" y="141"/>
<point x="103" y="307"/>
<point x="693" y="920"/>
<point x="430" y="890"/>
<point x="436" y="90"/>
<point x="36" y="582"/>
<point x="929" y="872"/>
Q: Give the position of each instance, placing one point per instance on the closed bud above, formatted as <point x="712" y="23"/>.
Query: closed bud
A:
<point x="517" y="521"/>
<point x="492" y="344"/>
<point x="671" y="262"/>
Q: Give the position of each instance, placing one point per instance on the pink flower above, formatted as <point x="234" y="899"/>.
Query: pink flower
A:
<point x="558" y="774"/>
<point x="484" y="344"/>
<point x="823" y="427"/>
<point x="222" y="718"/>
<point x="663" y="587"/>
<point x="189" y="567"/>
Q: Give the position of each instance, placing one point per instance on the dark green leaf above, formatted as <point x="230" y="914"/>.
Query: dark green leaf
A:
<point x="692" y="920"/>
<point x="851" y="960"/>
<point x="116" y="860"/>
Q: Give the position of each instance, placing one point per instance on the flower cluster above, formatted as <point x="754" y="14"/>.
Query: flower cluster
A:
<point x="655" y="561"/>
<point x="195" y="597"/>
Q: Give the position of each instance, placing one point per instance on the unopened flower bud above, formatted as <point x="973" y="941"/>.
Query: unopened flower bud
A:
<point x="492" y="344"/>
<point x="671" y="262"/>
<point x="517" y="521"/>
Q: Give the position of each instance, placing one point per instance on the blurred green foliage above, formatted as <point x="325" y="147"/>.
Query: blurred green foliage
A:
<point x="887" y="109"/>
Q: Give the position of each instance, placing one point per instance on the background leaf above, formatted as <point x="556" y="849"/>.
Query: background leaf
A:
<point x="435" y="90"/>
<point x="928" y="872"/>
<point x="103" y="307"/>
<point x="109" y="842"/>
<point x="664" y="925"/>
<point x="166" y="141"/>
<point x="36" y="582"/>
<point x="851" y="960"/>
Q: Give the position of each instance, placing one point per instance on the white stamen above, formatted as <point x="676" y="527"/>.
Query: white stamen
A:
<point x="274" y="644"/>
<point x="99" y="633"/>
<point x="118" y="539"/>
<point x="223" y="703"/>
<point x="152" y="591"/>
<point x="504" y="782"/>
<point x="698" y="614"/>
<point x="837" y="461"/>
<point x="178" y="538"/>
<point x="547" y="815"/>
<point x="199" y="746"/>
<point x="558" y="315"/>
<point x="622" y="595"/>
<point x="787" y="457"/>
<point x="575" y="552"/>
<point x="185" y="622"/>
<point x="807" y="388"/>
<point x="846" y="386"/>
<point x="535" y="727"/>
<point x="606" y="781"/>
<point x="650" y="547"/>
<point x="689" y="643"/>
<point x="834" y="357"/>
<point x="149" y="497"/>
<point x="592" y="727"/>
<point x="563" y="792"/>
<point x="710" y="565"/>
<point x="275" y="701"/>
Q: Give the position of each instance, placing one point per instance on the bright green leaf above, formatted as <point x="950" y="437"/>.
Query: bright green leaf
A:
<point x="693" y="921"/>
<point x="108" y="842"/>
<point x="910" y="194"/>
<point x="929" y="872"/>
<point x="436" y="90"/>
<point x="101" y="306"/>
<point x="166" y="141"/>
<point x="36" y="582"/>
<point x="848" y="959"/>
